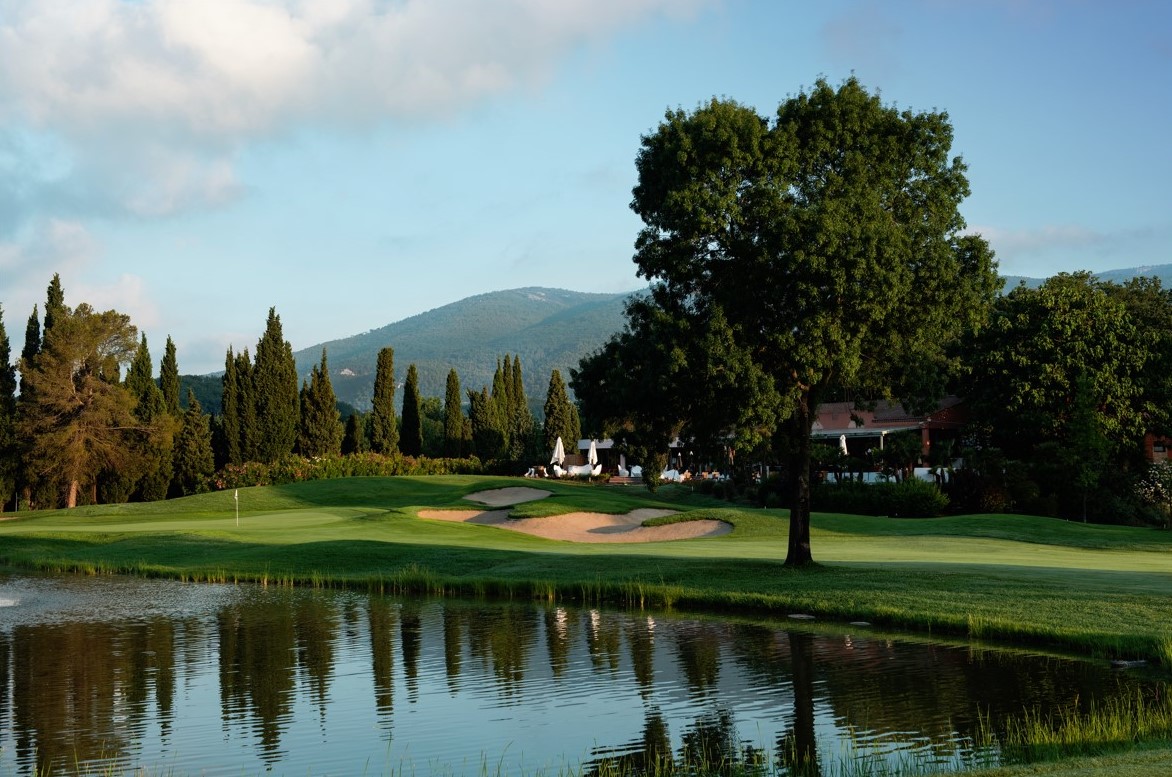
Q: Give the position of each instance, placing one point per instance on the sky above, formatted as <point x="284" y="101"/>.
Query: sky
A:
<point x="354" y="162"/>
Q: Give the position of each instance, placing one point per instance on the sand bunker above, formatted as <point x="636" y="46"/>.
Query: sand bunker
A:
<point x="587" y="527"/>
<point x="505" y="497"/>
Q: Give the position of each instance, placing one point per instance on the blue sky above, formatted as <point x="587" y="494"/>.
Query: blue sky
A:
<point x="354" y="162"/>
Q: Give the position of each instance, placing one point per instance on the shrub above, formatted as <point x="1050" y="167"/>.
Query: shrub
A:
<point x="911" y="498"/>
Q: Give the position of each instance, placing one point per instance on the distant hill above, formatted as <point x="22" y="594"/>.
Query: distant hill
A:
<point x="1161" y="271"/>
<point x="548" y="328"/>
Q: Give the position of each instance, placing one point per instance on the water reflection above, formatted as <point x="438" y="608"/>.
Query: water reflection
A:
<point x="243" y="681"/>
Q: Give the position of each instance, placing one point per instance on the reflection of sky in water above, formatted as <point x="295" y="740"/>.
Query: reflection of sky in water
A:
<point x="218" y="679"/>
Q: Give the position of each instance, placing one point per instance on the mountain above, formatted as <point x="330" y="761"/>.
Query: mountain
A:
<point x="548" y="328"/>
<point x="1161" y="271"/>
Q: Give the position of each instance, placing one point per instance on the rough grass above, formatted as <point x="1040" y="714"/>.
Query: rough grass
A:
<point x="1102" y="590"/>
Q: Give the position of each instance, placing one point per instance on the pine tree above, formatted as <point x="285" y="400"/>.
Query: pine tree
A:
<point x="9" y="452"/>
<point x="193" y="461"/>
<point x="169" y="378"/>
<point x="384" y="429"/>
<point x="321" y="426"/>
<point x="228" y="449"/>
<point x="277" y="397"/>
<point x="32" y="347"/>
<point x="499" y="405"/>
<point x="453" y="418"/>
<point x="354" y="438"/>
<point x="249" y="425"/>
<point x="411" y="439"/>
<point x="561" y="417"/>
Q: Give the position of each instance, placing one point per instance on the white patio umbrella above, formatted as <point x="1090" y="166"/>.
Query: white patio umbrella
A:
<point x="559" y="452"/>
<point x="592" y="456"/>
<point x="842" y="445"/>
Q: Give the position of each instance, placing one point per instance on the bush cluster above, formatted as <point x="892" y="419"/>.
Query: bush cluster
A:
<point x="911" y="498"/>
<point x="290" y="469"/>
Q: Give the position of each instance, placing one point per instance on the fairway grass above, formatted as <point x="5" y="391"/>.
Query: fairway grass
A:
<point x="1099" y="590"/>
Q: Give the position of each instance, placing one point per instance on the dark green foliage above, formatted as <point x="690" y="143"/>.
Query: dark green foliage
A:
<point x="274" y="381"/>
<point x="354" y="437"/>
<point x="293" y="469"/>
<point x="384" y="429"/>
<point x="431" y="418"/>
<point x="487" y="439"/>
<point x="321" y="426"/>
<point x="208" y="389"/>
<point x="912" y="498"/>
<point x="560" y="416"/>
<point x="193" y="462"/>
<point x="228" y="447"/>
<point x="9" y="451"/>
<point x="453" y="418"/>
<point x="169" y="378"/>
<point x="411" y="438"/>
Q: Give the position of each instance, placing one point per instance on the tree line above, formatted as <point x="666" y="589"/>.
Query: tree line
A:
<point x="84" y="420"/>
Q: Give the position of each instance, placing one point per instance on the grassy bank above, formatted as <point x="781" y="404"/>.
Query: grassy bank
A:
<point x="1095" y="589"/>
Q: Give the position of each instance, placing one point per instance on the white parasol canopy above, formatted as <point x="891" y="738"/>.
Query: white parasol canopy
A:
<point x="559" y="452"/>
<point x="592" y="456"/>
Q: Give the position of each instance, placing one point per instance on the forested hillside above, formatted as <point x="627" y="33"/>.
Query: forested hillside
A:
<point x="547" y="328"/>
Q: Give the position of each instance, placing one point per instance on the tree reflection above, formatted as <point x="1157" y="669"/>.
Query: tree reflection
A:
<point x="382" y="655"/>
<point x="315" y="624"/>
<point x="453" y="645"/>
<point x="797" y="748"/>
<point x="641" y="638"/>
<point x="410" y="635"/>
<point x="257" y="642"/>
<point x="698" y="648"/>
<point x="558" y="636"/>
<point x="603" y="639"/>
<point x="502" y="640"/>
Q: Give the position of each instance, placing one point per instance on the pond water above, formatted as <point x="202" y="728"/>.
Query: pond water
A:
<point x="115" y="674"/>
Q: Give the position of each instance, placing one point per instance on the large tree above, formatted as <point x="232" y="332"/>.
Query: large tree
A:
<point x="411" y="438"/>
<point x="384" y="428"/>
<point x="149" y="480"/>
<point x="820" y="248"/>
<point x="228" y="450"/>
<point x="274" y="378"/>
<point x="81" y="421"/>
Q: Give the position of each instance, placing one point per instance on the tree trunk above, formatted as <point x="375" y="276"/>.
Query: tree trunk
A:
<point x="74" y="487"/>
<point x="798" y="554"/>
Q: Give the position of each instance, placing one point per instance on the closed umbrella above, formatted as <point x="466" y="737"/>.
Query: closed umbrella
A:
<point x="842" y="445"/>
<point x="592" y="457"/>
<point x="559" y="453"/>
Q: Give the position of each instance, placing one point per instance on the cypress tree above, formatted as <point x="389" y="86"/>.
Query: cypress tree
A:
<point x="520" y="419"/>
<point x="453" y="418"/>
<point x="55" y="308"/>
<point x="249" y="425"/>
<point x="193" y="461"/>
<point x="228" y="450"/>
<point x="411" y="439"/>
<point x="274" y="382"/>
<point x="148" y="481"/>
<point x="498" y="407"/>
<point x="384" y="429"/>
<point x="354" y="438"/>
<point x="321" y="426"/>
<point x="561" y="417"/>
<point x="32" y="347"/>
<point x="9" y="452"/>
<point x="169" y="378"/>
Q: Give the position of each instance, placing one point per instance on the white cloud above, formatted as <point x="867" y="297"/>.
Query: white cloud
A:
<point x="1042" y="239"/>
<point x="151" y="101"/>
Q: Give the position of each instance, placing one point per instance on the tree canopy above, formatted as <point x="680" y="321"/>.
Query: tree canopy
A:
<point x="824" y="247"/>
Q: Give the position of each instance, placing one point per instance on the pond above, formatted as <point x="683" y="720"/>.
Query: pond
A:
<point x="115" y="674"/>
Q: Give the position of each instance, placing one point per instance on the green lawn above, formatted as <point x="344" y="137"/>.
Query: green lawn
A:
<point x="1098" y="589"/>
